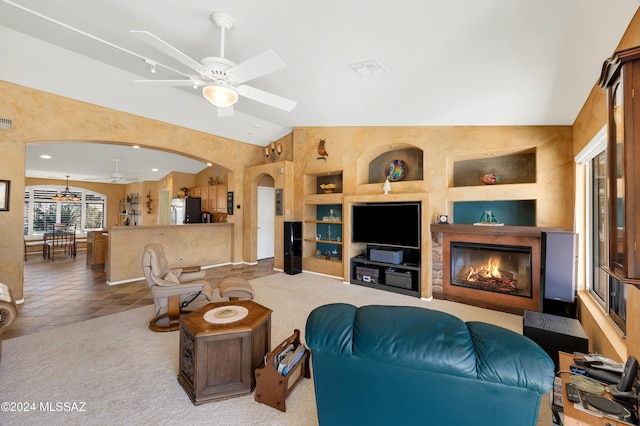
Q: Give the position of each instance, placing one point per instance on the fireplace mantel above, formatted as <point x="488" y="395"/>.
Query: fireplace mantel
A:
<point x="521" y="231"/>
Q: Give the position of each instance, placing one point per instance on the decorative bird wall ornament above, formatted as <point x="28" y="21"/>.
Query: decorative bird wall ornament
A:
<point x="322" y="151"/>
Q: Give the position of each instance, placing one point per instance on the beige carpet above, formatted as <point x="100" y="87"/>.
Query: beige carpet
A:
<point x="119" y="372"/>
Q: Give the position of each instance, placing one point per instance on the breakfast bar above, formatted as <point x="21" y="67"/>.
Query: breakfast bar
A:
<point x="206" y="245"/>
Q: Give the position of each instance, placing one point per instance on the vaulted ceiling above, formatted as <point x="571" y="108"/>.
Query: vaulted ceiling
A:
<point x="450" y="63"/>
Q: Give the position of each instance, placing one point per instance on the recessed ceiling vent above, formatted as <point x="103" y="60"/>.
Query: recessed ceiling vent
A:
<point x="6" y="124"/>
<point x="367" y="68"/>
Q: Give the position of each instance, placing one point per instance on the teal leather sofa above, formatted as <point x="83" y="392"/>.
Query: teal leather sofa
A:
<point x="401" y="365"/>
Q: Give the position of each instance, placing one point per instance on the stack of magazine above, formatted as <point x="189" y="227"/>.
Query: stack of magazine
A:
<point x="288" y="358"/>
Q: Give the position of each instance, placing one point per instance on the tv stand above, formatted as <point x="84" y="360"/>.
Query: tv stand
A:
<point x="403" y="278"/>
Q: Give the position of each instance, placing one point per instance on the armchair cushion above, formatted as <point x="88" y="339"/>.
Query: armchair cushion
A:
<point x="169" y="279"/>
<point x="188" y="275"/>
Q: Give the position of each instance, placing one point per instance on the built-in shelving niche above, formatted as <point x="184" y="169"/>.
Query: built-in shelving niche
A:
<point x="509" y="212"/>
<point x="511" y="169"/>
<point x="413" y="158"/>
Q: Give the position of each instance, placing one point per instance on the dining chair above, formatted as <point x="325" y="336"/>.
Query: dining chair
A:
<point x="61" y="238"/>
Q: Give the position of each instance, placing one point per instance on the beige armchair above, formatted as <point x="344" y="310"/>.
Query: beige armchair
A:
<point x="8" y="311"/>
<point x="172" y="289"/>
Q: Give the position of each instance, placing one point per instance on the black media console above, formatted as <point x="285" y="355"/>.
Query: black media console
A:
<point x="403" y="278"/>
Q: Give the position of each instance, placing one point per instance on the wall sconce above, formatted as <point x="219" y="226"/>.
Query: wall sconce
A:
<point x="273" y="151"/>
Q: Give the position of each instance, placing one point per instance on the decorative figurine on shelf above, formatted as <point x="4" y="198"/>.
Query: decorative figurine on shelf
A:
<point x="387" y="186"/>
<point x="318" y="254"/>
<point x="327" y="255"/>
<point x="322" y="152"/>
<point x="329" y="232"/>
<point x="488" y="219"/>
<point x="210" y="182"/>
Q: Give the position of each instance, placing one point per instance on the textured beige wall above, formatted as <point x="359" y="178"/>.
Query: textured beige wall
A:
<point x="39" y="116"/>
<point x="197" y="245"/>
<point x="351" y="149"/>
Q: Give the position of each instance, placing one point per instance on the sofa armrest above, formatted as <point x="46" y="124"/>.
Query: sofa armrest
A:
<point x="495" y="348"/>
<point x="8" y="310"/>
<point x="330" y="328"/>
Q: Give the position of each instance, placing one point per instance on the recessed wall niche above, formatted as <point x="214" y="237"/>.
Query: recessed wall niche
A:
<point x="411" y="156"/>
<point x="517" y="168"/>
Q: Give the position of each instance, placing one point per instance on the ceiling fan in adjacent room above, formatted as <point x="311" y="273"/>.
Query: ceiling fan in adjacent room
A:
<point x="222" y="80"/>
<point x="115" y="177"/>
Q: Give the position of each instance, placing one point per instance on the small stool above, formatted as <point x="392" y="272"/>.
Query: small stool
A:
<point x="236" y="288"/>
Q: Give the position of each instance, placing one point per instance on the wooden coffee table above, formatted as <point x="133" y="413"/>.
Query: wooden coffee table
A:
<point x="217" y="361"/>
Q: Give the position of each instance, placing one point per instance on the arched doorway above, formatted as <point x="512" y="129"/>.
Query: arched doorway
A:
<point x="265" y="218"/>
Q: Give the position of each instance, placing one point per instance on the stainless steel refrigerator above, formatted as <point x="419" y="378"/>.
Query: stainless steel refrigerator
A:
<point x="186" y="210"/>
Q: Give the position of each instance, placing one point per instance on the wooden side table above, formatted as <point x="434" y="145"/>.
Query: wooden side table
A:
<point x="217" y="361"/>
<point x="573" y="416"/>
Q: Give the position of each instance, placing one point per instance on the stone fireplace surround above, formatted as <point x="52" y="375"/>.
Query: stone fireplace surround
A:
<point x="442" y="235"/>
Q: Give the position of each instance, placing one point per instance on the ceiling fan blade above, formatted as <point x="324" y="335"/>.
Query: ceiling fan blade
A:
<point x="226" y="111"/>
<point x="166" y="48"/>
<point x="266" y="98"/>
<point x="263" y="64"/>
<point x="174" y="82"/>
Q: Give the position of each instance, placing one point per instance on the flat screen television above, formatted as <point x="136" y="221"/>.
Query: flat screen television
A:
<point x="388" y="224"/>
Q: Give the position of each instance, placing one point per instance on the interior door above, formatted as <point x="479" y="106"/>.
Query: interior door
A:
<point x="266" y="218"/>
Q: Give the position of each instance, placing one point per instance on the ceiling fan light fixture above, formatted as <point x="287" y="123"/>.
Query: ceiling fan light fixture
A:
<point x="220" y="96"/>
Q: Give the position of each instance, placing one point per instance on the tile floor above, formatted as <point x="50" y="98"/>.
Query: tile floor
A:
<point x="66" y="291"/>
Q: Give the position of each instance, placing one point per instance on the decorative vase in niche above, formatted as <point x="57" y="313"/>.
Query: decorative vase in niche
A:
<point x="318" y="253"/>
<point x="387" y="186"/>
<point x="490" y="179"/>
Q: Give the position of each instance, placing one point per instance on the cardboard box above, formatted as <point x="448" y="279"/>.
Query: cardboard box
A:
<point x="393" y="256"/>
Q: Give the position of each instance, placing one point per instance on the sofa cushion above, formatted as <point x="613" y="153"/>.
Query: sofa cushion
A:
<point x="416" y="338"/>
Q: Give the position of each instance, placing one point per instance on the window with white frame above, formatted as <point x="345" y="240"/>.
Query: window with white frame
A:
<point x="606" y="290"/>
<point x="40" y="209"/>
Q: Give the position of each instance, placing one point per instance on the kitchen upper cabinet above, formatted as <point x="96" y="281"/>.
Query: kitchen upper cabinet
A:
<point x="214" y="197"/>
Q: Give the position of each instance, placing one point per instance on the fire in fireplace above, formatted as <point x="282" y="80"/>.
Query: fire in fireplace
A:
<point x="496" y="268"/>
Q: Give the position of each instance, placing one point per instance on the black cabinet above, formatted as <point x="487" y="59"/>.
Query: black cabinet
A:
<point x="293" y="247"/>
<point x="554" y="333"/>
<point x="403" y="278"/>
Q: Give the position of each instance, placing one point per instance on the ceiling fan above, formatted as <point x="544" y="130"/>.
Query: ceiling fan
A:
<point x="220" y="78"/>
<point x="115" y="177"/>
